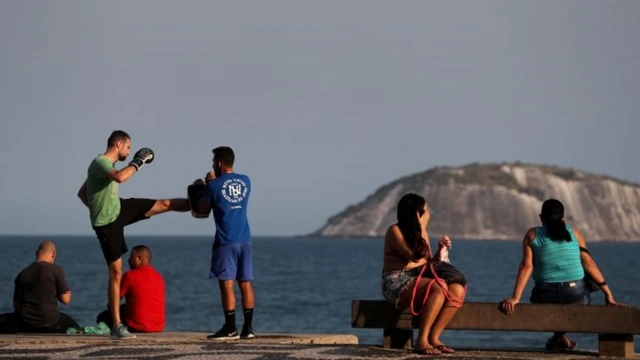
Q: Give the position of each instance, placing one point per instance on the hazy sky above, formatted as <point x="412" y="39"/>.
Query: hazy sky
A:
<point x="323" y="101"/>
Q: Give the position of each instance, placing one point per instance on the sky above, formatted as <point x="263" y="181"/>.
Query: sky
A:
<point x="322" y="101"/>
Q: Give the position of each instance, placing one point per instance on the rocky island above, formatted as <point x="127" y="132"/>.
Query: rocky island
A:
<point x="499" y="201"/>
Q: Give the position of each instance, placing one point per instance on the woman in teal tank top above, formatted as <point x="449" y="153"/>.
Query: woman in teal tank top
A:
<point x="557" y="257"/>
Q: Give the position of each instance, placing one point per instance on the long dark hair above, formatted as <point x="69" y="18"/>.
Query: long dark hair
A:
<point x="409" y="225"/>
<point x="551" y="216"/>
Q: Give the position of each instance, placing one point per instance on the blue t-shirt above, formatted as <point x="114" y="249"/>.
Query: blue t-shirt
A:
<point x="228" y="196"/>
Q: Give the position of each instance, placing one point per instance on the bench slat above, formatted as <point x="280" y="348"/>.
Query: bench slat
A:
<point x="598" y="319"/>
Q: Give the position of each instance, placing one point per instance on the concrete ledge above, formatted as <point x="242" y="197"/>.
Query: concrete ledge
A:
<point x="179" y="338"/>
<point x="195" y="345"/>
<point x="196" y="349"/>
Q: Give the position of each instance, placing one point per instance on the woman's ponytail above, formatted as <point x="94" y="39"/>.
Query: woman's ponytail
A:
<point x="557" y="230"/>
<point x="552" y="217"/>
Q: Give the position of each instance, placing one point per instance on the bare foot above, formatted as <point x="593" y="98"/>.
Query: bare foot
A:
<point x="568" y="343"/>
<point x="445" y="349"/>
<point x="560" y="343"/>
<point x="429" y="350"/>
<point x="437" y="344"/>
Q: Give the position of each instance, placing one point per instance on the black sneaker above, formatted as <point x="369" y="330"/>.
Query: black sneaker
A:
<point x="247" y="333"/>
<point x="224" y="334"/>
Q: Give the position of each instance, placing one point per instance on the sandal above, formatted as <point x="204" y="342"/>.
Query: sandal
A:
<point x="427" y="351"/>
<point x="445" y="349"/>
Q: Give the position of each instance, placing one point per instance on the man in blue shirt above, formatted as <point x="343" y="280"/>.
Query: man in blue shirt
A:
<point x="227" y="194"/>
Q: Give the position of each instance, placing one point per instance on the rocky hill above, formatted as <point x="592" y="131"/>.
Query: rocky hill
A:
<point x="499" y="201"/>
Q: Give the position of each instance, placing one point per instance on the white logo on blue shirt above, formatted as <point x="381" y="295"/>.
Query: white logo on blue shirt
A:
<point x="234" y="190"/>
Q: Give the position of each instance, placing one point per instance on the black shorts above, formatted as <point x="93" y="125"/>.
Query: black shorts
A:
<point x="111" y="236"/>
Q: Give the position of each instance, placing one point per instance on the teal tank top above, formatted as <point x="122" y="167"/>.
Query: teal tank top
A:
<point x="553" y="261"/>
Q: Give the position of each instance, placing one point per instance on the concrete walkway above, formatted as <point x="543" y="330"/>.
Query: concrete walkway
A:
<point x="268" y="346"/>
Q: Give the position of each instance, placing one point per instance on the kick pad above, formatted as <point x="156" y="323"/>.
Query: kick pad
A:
<point x="194" y="194"/>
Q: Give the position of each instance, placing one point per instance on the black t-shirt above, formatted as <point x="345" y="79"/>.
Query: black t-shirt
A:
<point x="36" y="292"/>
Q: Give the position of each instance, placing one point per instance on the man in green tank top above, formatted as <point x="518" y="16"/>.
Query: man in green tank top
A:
<point x="109" y="214"/>
<point x="104" y="201"/>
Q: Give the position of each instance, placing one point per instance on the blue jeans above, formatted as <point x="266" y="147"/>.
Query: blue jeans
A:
<point x="572" y="292"/>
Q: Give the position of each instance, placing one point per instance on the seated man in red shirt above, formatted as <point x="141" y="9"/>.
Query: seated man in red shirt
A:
<point x="144" y="291"/>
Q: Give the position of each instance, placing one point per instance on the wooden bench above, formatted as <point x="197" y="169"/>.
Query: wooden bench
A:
<point x="615" y="326"/>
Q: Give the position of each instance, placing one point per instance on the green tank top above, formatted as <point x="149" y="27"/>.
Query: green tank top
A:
<point x="104" y="198"/>
<point x="555" y="261"/>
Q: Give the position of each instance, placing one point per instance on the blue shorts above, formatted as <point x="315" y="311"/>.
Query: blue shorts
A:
<point x="232" y="262"/>
<point x="573" y="292"/>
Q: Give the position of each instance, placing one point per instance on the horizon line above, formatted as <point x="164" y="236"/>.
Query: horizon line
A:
<point x="139" y="235"/>
<point x="289" y="237"/>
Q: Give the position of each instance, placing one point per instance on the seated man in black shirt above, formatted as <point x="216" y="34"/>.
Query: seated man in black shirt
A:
<point x="38" y="288"/>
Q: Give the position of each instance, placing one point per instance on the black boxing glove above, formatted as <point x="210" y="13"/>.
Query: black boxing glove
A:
<point x="143" y="156"/>
<point x="198" y="182"/>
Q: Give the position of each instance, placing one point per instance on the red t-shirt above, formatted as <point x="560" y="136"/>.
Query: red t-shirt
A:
<point x="144" y="291"/>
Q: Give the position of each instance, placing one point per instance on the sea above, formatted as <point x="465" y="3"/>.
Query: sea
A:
<point x="305" y="285"/>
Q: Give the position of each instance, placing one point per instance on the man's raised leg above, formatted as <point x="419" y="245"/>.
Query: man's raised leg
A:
<point x="115" y="276"/>
<point x="164" y="205"/>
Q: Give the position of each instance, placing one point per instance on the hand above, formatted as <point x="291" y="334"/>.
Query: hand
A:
<point x="424" y="219"/>
<point x="445" y="241"/>
<point x="210" y="176"/>
<point x="141" y="157"/>
<point x="508" y="306"/>
<point x="610" y="301"/>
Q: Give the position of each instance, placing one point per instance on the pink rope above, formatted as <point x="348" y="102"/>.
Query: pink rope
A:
<point x="443" y="285"/>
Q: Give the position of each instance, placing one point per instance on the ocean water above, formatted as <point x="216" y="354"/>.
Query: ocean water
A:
<point x="305" y="285"/>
